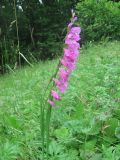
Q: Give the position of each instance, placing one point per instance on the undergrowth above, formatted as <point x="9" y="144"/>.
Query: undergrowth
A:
<point x="85" y="124"/>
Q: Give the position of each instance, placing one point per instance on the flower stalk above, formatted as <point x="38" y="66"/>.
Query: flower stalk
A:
<point x="66" y="66"/>
<point x="67" y="62"/>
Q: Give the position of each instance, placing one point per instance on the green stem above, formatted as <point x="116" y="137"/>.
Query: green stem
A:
<point x="48" y="116"/>
<point x="45" y="123"/>
<point x="42" y="130"/>
<point x="85" y="144"/>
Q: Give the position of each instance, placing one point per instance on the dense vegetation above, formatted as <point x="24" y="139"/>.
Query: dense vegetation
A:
<point x="85" y="124"/>
<point x="99" y="20"/>
<point x="35" y="29"/>
<point x="41" y="29"/>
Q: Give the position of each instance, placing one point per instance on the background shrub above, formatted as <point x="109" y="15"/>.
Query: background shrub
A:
<point x="99" y="19"/>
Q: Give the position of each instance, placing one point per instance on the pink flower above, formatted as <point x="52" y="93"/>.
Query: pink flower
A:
<point x="74" y="19"/>
<point x="58" y="83"/>
<point x="70" y="25"/>
<point x="68" y="65"/>
<point x="64" y="74"/>
<point x="70" y="55"/>
<point x="72" y="43"/>
<point x="75" y="30"/>
<point x="68" y="60"/>
<point x="61" y="85"/>
<point x="51" y="103"/>
<point x="72" y="36"/>
<point x="55" y="95"/>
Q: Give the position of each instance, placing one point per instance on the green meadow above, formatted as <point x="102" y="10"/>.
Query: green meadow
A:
<point x="85" y="124"/>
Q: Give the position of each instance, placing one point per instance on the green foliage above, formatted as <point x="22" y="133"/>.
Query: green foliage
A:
<point x="41" y="30"/>
<point x="42" y="27"/>
<point x="9" y="151"/>
<point x="85" y="124"/>
<point x="111" y="153"/>
<point x="98" y="20"/>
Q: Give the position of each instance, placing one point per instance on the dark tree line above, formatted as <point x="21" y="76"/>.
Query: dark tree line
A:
<point x="41" y="29"/>
<point x="36" y="28"/>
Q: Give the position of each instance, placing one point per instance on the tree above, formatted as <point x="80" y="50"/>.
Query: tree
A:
<point x="42" y="27"/>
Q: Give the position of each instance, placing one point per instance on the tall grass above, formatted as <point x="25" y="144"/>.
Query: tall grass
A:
<point x="84" y="125"/>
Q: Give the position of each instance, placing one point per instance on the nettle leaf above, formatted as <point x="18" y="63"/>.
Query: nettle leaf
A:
<point x="72" y="155"/>
<point x="55" y="148"/>
<point x="89" y="145"/>
<point x="108" y="140"/>
<point x="12" y="121"/>
<point x="112" y="125"/>
<point x="87" y="149"/>
<point x="117" y="111"/>
<point x="91" y="127"/>
<point x="95" y="130"/>
<point x="103" y="116"/>
<point x="79" y="111"/>
<point x="62" y="133"/>
<point x="96" y="157"/>
<point x="86" y="130"/>
<point x="75" y="126"/>
<point x="86" y="154"/>
<point x="117" y="132"/>
<point x="9" y="151"/>
<point x="111" y="153"/>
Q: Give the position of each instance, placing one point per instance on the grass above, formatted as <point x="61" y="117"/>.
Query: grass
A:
<point x="85" y="124"/>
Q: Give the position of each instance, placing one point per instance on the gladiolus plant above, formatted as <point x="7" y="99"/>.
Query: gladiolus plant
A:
<point x="66" y="66"/>
<point x="68" y="61"/>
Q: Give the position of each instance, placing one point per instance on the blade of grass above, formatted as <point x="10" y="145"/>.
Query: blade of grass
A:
<point x="48" y="117"/>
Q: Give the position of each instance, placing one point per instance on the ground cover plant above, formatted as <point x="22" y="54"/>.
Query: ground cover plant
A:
<point x="85" y="125"/>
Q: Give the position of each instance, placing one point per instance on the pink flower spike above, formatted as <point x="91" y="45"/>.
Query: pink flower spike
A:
<point x="67" y="64"/>
<point x="74" y="19"/>
<point x="64" y="74"/>
<point x="70" y="25"/>
<point x="72" y="36"/>
<point x="68" y="60"/>
<point x="75" y="30"/>
<point x="72" y="43"/>
<point x="70" y="55"/>
<point x="55" y="95"/>
<point x="58" y="83"/>
<point x="61" y="85"/>
<point x="51" y="103"/>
